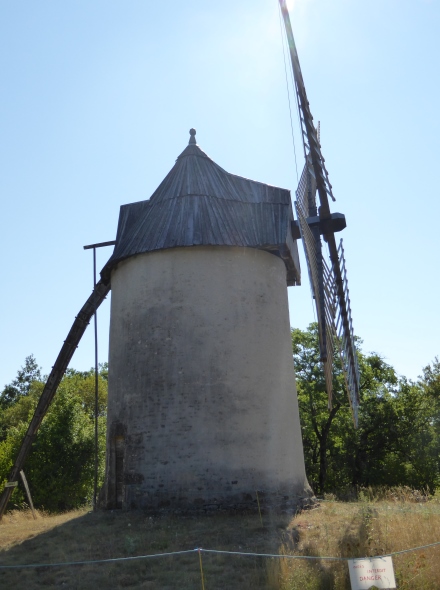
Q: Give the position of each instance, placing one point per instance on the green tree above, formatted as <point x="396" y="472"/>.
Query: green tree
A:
<point x="60" y="468"/>
<point x="318" y="422"/>
<point x="21" y="385"/>
<point x="367" y="447"/>
<point x="419" y="419"/>
<point x="398" y="438"/>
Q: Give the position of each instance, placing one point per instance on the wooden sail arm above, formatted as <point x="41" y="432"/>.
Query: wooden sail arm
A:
<point x="313" y="147"/>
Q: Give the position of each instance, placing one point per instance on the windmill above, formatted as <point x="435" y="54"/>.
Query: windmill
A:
<point x="207" y="237"/>
<point x="328" y="279"/>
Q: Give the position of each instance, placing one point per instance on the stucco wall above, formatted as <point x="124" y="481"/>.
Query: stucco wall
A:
<point x="202" y="400"/>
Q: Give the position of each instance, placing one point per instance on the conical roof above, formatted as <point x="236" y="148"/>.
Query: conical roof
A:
<point x="198" y="204"/>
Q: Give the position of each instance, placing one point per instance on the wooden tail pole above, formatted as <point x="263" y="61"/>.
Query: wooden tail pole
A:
<point x="70" y="344"/>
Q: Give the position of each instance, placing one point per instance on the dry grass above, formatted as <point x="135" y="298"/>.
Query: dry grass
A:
<point x="19" y="525"/>
<point x="360" y="529"/>
<point x="346" y="529"/>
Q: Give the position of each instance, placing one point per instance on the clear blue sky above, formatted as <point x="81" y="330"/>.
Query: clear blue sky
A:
<point x="97" y="98"/>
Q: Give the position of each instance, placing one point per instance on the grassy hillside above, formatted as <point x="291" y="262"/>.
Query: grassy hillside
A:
<point x="348" y="529"/>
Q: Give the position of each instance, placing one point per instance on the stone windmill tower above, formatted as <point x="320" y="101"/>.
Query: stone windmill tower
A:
<point x="202" y="404"/>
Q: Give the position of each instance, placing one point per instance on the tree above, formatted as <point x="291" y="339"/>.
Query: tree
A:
<point x="60" y="468"/>
<point x="398" y="438"/>
<point x="377" y="435"/>
<point x="21" y="385"/>
<point x="421" y="406"/>
<point x="317" y="421"/>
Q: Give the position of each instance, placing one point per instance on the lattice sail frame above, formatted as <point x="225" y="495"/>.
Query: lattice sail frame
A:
<point x="332" y="332"/>
<point x="349" y="361"/>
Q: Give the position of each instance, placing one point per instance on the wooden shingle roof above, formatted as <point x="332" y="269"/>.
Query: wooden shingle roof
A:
<point x="198" y="203"/>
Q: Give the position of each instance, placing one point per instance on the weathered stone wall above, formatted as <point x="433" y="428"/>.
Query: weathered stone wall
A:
<point x="202" y="402"/>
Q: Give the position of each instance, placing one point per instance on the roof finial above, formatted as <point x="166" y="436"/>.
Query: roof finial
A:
<point x="192" y="139"/>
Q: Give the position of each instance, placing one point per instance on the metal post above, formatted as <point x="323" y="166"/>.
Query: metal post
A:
<point x="95" y="483"/>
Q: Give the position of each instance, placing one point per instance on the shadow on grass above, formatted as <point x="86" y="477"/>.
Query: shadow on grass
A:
<point x="106" y="535"/>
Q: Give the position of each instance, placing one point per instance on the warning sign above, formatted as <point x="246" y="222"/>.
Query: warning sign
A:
<point x="371" y="571"/>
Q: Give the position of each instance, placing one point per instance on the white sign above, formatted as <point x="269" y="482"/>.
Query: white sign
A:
<point x="11" y="484"/>
<point x="371" y="571"/>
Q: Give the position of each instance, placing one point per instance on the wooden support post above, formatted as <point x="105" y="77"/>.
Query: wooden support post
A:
<point x="28" y="493"/>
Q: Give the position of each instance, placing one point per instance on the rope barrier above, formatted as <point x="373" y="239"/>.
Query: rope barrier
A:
<point x="318" y="557"/>
<point x="218" y="551"/>
<point x="64" y="563"/>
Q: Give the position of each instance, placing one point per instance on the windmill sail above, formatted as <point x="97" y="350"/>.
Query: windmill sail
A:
<point x="328" y="280"/>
